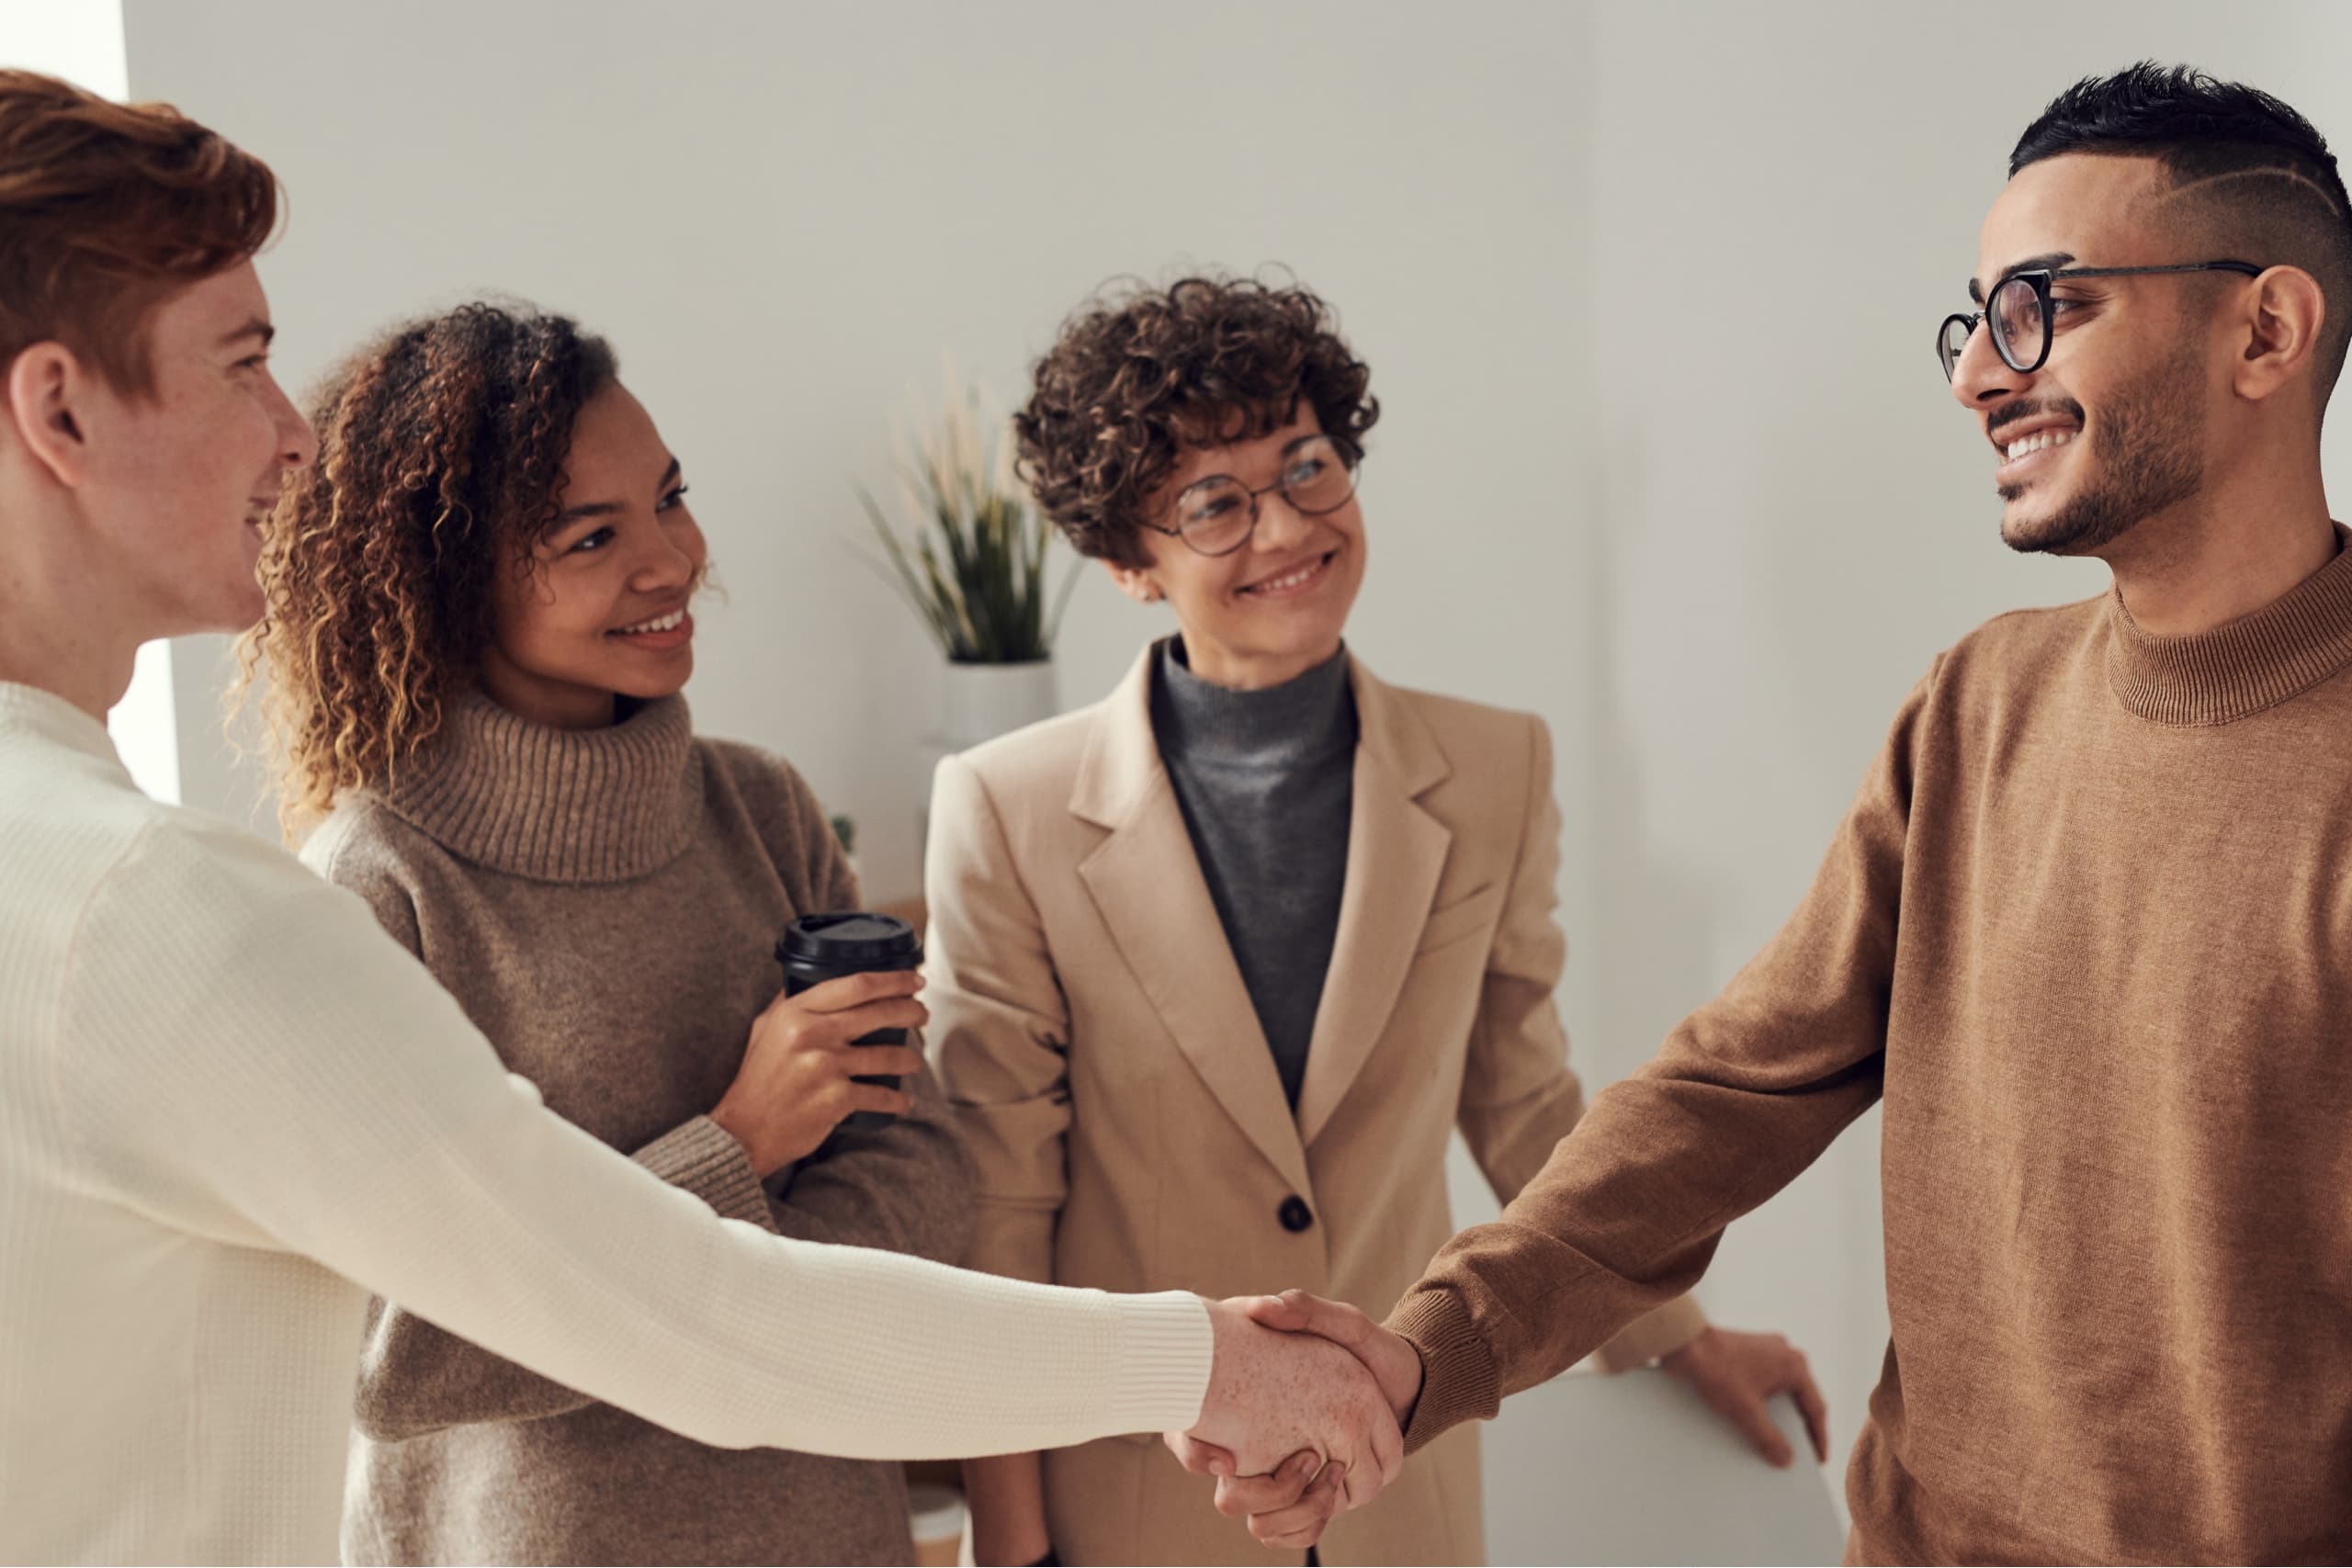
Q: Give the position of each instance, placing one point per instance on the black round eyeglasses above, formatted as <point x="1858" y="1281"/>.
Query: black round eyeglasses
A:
<point x="2019" y="311"/>
<point x="1216" y="515"/>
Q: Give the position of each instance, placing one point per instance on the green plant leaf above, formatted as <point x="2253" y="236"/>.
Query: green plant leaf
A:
<point x="974" y="566"/>
<point x="902" y="574"/>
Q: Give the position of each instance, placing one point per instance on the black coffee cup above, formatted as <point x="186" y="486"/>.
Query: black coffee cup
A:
<point x="818" y="948"/>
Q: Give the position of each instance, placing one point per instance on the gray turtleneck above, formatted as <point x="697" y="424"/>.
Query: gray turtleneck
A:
<point x="1266" y="780"/>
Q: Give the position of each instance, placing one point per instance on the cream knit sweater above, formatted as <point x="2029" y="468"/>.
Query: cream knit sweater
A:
<point x="231" y="1108"/>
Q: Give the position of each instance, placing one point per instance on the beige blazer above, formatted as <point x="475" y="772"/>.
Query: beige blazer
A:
<point x="1123" y="1109"/>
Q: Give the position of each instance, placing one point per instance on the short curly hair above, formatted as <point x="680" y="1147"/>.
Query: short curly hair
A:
<point x="441" y="448"/>
<point x="1139" y="372"/>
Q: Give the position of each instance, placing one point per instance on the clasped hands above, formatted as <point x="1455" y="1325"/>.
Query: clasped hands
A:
<point x="1305" y="1416"/>
<point x="1308" y="1399"/>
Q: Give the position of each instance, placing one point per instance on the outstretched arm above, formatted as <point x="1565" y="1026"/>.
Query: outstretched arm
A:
<point x="310" y="1090"/>
<point x="1748" y="1091"/>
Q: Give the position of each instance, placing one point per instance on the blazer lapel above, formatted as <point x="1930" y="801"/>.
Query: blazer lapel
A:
<point x="1396" y="854"/>
<point x="1146" y="882"/>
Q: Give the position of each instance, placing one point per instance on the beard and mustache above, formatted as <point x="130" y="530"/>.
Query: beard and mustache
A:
<point x="2148" y="449"/>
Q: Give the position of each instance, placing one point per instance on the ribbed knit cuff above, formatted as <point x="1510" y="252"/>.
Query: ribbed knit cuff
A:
<point x="1458" y="1380"/>
<point x="703" y="1158"/>
<point x="1167" y="1349"/>
<point x="1656" y="1334"/>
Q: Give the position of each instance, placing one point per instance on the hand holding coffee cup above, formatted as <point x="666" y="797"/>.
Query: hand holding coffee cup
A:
<point x="801" y="1067"/>
<point x="818" y="948"/>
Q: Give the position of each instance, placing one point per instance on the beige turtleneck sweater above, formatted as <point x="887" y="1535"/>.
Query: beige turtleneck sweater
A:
<point x="604" y="906"/>
<point x="2086" y="931"/>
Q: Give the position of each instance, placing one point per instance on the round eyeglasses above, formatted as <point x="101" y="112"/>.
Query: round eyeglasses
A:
<point x="1216" y="516"/>
<point x="2019" y="312"/>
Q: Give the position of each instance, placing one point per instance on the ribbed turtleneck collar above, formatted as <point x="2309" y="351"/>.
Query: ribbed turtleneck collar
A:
<point x="556" y="805"/>
<point x="1306" y="719"/>
<point x="2241" y="667"/>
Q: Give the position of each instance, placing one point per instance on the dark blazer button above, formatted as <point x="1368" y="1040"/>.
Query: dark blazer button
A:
<point x="1295" y="1214"/>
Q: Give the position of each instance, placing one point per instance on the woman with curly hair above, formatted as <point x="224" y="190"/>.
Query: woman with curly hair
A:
<point x="1218" y="964"/>
<point x="479" y="618"/>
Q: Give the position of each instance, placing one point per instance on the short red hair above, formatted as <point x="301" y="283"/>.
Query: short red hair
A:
<point x="106" y="211"/>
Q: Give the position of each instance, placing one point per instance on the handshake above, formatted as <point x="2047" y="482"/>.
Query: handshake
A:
<point x="1305" y="1416"/>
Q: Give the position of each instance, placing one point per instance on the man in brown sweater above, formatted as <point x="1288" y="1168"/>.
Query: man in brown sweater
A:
<point x="2086" y="931"/>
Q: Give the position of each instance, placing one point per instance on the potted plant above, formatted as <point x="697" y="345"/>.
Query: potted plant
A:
<point x="972" y="565"/>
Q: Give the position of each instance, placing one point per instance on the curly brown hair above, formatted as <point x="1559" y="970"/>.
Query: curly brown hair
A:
<point x="441" y="447"/>
<point x="1139" y="372"/>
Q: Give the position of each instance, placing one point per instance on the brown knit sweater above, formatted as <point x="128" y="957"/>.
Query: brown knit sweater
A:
<point x="2088" y="931"/>
<point x="603" y="904"/>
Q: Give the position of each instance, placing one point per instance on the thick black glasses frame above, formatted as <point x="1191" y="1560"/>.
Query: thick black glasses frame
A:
<point x="1345" y="461"/>
<point x="2039" y="279"/>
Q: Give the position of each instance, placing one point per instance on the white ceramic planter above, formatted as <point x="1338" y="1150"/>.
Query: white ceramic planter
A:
<point x="982" y="702"/>
<point x="985" y="701"/>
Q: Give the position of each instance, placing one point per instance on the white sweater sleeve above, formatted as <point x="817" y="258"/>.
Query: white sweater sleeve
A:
<point x="255" y="1061"/>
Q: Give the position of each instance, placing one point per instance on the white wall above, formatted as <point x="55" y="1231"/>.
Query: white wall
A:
<point x="1570" y="240"/>
<point x="782" y="215"/>
<point x="78" y="39"/>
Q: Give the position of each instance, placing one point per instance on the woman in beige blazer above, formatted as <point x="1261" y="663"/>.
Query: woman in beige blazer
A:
<point x="1183" y="1058"/>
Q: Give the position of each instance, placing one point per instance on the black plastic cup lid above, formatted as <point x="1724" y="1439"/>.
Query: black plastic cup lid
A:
<point x="851" y="939"/>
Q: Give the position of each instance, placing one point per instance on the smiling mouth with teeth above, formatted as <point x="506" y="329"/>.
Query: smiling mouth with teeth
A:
<point x="2025" y="446"/>
<point x="670" y="621"/>
<point x="1292" y="578"/>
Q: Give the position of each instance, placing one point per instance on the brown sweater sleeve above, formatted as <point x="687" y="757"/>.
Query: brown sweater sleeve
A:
<point x="415" y="1377"/>
<point x="1520" y="1097"/>
<point x="1748" y="1091"/>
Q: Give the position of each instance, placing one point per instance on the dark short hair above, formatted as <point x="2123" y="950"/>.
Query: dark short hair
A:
<point x="1139" y="372"/>
<point x="2267" y="185"/>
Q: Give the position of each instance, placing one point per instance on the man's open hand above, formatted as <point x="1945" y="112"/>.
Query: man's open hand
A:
<point x="1736" y="1372"/>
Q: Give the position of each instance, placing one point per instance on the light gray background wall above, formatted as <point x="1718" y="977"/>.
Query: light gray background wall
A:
<point x="1625" y="477"/>
<point x="782" y="215"/>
